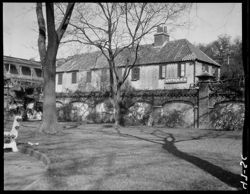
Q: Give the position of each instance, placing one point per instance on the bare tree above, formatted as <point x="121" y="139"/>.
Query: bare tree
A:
<point x="48" y="59"/>
<point x="117" y="29"/>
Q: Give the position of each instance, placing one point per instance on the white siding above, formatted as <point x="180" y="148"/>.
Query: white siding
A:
<point x="67" y="82"/>
<point x="149" y="79"/>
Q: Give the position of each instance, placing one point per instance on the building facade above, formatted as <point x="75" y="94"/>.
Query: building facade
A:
<point x="23" y="81"/>
<point x="162" y="65"/>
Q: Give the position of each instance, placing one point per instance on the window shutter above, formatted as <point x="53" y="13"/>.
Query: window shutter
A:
<point x="74" y="77"/>
<point x="179" y="70"/>
<point x="88" y="80"/>
<point x="135" y="74"/>
<point x="59" y="82"/>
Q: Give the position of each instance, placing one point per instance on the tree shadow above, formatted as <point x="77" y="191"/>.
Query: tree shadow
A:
<point x="225" y="176"/>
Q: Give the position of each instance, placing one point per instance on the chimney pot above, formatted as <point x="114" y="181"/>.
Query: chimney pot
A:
<point x="159" y="29"/>
<point x="161" y="36"/>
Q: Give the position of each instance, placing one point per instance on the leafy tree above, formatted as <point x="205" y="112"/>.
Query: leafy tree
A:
<point x="48" y="59"/>
<point x="226" y="53"/>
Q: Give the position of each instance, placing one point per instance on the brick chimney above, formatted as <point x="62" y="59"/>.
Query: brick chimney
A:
<point x="161" y="36"/>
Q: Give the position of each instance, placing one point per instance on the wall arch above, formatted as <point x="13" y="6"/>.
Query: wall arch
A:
<point x="179" y="114"/>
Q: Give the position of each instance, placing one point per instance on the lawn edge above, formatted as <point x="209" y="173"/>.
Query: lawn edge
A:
<point x="35" y="153"/>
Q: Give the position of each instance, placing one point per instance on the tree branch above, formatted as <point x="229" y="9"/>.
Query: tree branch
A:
<point x="64" y="24"/>
<point x="42" y="32"/>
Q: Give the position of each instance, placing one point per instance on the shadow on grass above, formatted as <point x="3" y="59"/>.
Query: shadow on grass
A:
<point x="225" y="176"/>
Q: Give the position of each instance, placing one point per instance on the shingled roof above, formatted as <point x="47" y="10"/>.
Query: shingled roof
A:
<point x="15" y="60"/>
<point x="172" y="51"/>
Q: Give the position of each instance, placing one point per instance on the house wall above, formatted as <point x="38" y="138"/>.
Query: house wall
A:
<point x="149" y="79"/>
<point x="67" y="82"/>
<point x="198" y="69"/>
<point x="189" y="74"/>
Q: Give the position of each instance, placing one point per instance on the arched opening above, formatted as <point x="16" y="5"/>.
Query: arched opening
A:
<point x="103" y="112"/>
<point x="79" y="111"/>
<point x="138" y="114"/>
<point x="177" y="114"/>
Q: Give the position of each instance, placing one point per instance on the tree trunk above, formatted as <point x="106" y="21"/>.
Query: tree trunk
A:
<point x="117" y="108"/>
<point x="49" y="124"/>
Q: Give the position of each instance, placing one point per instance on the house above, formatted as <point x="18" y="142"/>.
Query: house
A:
<point x="21" y="74"/>
<point x="22" y="69"/>
<point x="164" y="64"/>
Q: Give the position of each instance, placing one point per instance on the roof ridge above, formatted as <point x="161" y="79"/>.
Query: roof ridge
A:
<point x="21" y="59"/>
<point x="190" y="44"/>
<point x="209" y="57"/>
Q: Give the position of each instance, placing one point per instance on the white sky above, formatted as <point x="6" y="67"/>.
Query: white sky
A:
<point x="207" y="22"/>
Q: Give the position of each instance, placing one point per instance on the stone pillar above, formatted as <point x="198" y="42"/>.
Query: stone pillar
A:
<point x="203" y="110"/>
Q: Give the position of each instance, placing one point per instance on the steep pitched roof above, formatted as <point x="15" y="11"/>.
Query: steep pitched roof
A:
<point x="172" y="51"/>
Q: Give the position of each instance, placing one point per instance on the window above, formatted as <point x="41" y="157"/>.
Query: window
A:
<point x="26" y="71"/>
<point x="135" y="73"/>
<point x="104" y="75"/>
<point x="181" y="70"/>
<point x="88" y="79"/>
<point x="162" y="71"/>
<point x="73" y="80"/>
<point x="38" y="72"/>
<point x="59" y="81"/>
<point x="204" y="67"/>
<point x="172" y="71"/>
<point x="13" y="69"/>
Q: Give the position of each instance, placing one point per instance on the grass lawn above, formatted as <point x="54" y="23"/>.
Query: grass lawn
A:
<point x="99" y="157"/>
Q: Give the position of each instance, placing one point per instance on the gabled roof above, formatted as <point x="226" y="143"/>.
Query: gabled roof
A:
<point x="20" y="61"/>
<point x="172" y="51"/>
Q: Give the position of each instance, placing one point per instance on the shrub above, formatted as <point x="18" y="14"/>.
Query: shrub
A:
<point x="94" y="116"/>
<point x="227" y="118"/>
<point x="64" y="113"/>
<point x="172" y="119"/>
